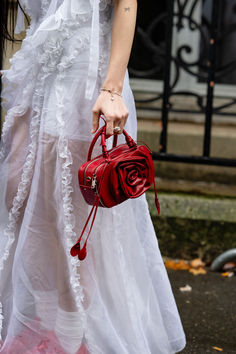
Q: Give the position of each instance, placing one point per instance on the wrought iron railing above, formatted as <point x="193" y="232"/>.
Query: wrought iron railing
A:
<point x="208" y="69"/>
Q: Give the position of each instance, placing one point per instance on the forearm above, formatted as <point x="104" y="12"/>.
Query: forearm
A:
<point x="115" y="110"/>
<point x="125" y="12"/>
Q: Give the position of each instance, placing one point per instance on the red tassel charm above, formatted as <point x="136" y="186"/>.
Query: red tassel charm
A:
<point x="75" y="250"/>
<point x="82" y="253"/>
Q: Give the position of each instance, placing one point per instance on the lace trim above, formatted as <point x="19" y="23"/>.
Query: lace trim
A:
<point x="51" y="60"/>
<point x="67" y="189"/>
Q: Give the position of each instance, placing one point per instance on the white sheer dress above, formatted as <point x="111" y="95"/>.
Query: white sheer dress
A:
<point x="119" y="299"/>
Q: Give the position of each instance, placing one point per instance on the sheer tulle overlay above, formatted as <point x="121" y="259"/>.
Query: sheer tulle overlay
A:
<point x="119" y="299"/>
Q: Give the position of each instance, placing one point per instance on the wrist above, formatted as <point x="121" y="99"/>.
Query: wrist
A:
<point x="113" y="86"/>
<point x="112" y="93"/>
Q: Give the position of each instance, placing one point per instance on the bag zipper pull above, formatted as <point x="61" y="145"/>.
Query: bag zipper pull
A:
<point x="94" y="181"/>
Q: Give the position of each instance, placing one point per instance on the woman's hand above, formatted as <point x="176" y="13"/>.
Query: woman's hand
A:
<point x="115" y="112"/>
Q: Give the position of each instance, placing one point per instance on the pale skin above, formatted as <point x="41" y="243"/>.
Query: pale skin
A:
<point x="115" y="111"/>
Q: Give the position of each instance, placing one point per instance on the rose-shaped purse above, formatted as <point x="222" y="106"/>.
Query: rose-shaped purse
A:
<point x="123" y="172"/>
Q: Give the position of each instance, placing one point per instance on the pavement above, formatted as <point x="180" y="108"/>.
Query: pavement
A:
<point x="208" y="311"/>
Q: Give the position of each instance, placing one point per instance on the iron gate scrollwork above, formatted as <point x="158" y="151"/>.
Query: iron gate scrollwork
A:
<point x="208" y="68"/>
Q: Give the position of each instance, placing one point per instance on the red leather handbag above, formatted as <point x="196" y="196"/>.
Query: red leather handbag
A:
<point x="123" y="172"/>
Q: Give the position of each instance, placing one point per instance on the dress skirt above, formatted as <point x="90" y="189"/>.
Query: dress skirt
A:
<point x="119" y="299"/>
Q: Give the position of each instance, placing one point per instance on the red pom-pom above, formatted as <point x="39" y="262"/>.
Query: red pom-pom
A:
<point x="82" y="253"/>
<point x="75" y="250"/>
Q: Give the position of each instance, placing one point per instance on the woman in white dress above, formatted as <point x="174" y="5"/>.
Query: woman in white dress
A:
<point x="119" y="299"/>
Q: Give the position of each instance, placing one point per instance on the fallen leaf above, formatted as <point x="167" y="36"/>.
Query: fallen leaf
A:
<point x="183" y="265"/>
<point x="218" y="349"/>
<point x="180" y="265"/>
<point x="227" y="274"/>
<point x="170" y="264"/>
<point x="196" y="263"/>
<point x="200" y="270"/>
<point x="185" y="288"/>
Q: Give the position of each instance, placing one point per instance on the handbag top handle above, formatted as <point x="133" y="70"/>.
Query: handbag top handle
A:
<point x="102" y="132"/>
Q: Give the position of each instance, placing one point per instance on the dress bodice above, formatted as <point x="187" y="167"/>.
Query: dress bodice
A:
<point x="54" y="21"/>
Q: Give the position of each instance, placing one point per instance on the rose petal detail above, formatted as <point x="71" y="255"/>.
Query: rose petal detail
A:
<point x="135" y="176"/>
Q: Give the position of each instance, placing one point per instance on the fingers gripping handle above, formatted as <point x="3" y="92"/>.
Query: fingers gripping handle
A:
<point x="102" y="132"/>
